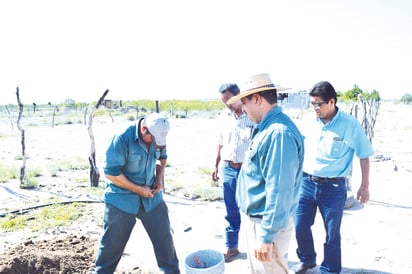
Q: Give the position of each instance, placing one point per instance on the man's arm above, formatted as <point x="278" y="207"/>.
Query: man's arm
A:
<point x="216" y="170"/>
<point x="160" y="172"/>
<point x="363" y="192"/>
<point x="123" y="182"/>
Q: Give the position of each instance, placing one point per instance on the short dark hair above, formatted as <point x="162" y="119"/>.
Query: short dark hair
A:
<point x="269" y="95"/>
<point x="231" y="87"/>
<point x="324" y="90"/>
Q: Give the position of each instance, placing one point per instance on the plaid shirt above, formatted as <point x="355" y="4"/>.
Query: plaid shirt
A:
<point x="234" y="135"/>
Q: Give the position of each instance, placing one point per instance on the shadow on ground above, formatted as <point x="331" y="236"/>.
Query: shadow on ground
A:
<point x="345" y="270"/>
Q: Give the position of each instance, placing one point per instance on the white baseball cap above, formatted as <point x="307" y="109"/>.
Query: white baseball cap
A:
<point x="158" y="126"/>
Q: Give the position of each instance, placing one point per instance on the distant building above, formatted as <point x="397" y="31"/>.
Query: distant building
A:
<point x="299" y="100"/>
<point x="107" y="103"/>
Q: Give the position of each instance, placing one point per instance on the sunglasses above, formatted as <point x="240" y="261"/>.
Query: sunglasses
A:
<point x="318" y="104"/>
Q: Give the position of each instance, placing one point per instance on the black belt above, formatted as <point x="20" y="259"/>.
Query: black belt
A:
<point x="322" y="179"/>
<point x="255" y="216"/>
<point x="234" y="165"/>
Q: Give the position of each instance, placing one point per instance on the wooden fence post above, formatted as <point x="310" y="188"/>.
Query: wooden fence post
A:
<point x="369" y="114"/>
<point x="23" y="145"/>
<point x="157" y="106"/>
<point x="94" y="171"/>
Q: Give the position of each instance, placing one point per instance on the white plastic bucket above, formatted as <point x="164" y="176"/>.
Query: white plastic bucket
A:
<point x="205" y="261"/>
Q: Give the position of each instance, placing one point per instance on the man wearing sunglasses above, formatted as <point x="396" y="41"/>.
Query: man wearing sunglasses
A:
<point x="331" y="141"/>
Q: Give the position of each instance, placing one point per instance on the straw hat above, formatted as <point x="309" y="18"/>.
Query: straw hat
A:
<point x="254" y="84"/>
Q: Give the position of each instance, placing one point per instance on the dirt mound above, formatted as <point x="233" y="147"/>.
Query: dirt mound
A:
<point x="71" y="254"/>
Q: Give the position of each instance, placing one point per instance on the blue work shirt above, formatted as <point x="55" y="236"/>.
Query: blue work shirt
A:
<point x="128" y="154"/>
<point x="330" y="147"/>
<point x="271" y="173"/>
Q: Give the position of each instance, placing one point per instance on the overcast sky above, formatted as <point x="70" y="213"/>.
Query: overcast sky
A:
<point x="182" y="49"/>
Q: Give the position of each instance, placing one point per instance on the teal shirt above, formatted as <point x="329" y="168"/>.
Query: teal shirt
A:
<point x="330" y="147"/>
<point x="127" y="154"/>
<point x="271" y="173"/>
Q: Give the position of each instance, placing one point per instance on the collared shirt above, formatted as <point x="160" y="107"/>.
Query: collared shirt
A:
<point x="234" y="135"/>
<point x="271" y="173"/>
<point x="330" y="147"/>
<point x="128" y="154"/>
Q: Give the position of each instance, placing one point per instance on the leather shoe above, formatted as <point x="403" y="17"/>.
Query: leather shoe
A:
<point x="231" y="252"/>
<point x="301" y="268"/>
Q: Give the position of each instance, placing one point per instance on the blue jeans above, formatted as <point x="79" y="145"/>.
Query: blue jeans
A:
<point x="118" y="226"/>
<point x="230" y="175"/>
<point x="330" y="198"/>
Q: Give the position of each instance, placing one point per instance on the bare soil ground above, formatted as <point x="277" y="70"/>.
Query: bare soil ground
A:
<point x="375" y="237"/>
<point x="71" y="254"/>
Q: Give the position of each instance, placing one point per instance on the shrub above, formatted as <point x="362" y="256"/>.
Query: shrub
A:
<point x="406" y="99"/>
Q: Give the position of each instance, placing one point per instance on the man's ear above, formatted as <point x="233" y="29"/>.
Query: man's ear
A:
<point x="145" y="130"/>
<point x="257" y="98"/>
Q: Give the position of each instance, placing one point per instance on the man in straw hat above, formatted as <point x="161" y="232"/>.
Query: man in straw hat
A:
<point x="270" y="177"/>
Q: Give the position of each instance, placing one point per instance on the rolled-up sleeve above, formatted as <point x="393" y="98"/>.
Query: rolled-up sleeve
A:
<point x="116" y="156"/>
<point x="163" y="154"/>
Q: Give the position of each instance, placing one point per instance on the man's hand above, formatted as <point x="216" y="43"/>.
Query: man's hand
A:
<point x="264" y="252"/>
<point x="363" y="194"/>
<point x="157" y="186"/>
<point x="215" y="178"/>
<point x="145" y="192"/>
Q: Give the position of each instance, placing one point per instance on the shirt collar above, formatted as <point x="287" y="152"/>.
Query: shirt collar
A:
<point x="269" y="117"/>
<point x="334" y="118"/>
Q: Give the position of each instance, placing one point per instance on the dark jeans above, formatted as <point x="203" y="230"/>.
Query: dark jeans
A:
<point x="118" y="226"/>
<point x="230" y="175"/>
<point x="330" y="198"/>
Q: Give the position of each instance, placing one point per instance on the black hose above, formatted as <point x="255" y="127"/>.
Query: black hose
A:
<point x="26" y="210"/>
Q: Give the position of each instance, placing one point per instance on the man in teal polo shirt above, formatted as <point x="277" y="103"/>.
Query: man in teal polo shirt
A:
<point x="331" y="141"/>
<point x="134" y="169"/>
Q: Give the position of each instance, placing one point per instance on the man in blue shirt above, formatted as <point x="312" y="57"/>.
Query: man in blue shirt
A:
<point x="270" y="176"/>
<point x="331" y="141"/>
<point x="233" y="139"/>
<point x="134" y="168"/>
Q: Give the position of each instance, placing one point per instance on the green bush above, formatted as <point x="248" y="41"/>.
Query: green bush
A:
<point x="8" y="173"/>
<point x="353" y="94"/>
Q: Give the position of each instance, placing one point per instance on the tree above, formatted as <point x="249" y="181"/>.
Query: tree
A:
<point x="406" y="99"/>
<point x="353" y="93"/>
<point x="69" y="104"/>
<point x="373" y="96"/>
